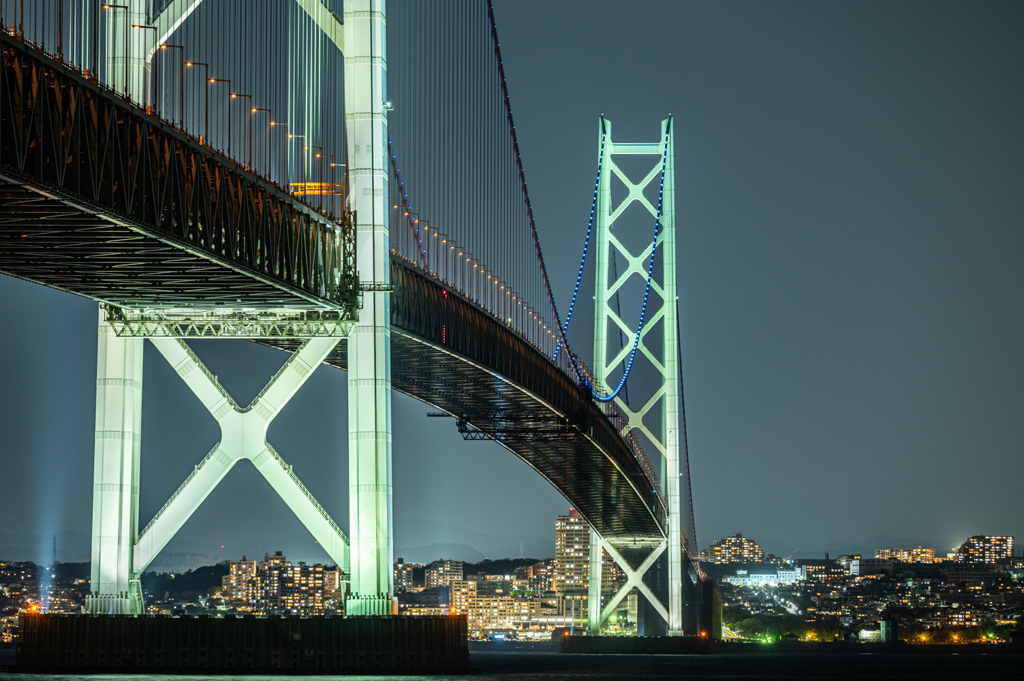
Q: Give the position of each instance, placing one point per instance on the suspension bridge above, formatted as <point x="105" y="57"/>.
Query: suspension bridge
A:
<point x="345" y="186"/>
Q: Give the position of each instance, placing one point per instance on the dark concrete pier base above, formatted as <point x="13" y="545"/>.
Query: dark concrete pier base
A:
<point x="86" y="644"/>
<point x="635" y="645"/>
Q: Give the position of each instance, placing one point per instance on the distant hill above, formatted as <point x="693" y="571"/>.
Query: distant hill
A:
<point x="187" y="585"/>
<point x="502" y="566"/>
<point x="432" y="552"/>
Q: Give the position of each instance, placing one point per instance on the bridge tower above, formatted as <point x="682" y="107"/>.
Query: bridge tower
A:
<point x="369" y="345"/>
<point x="120" y="551"/>
<point x="665" y="400"/>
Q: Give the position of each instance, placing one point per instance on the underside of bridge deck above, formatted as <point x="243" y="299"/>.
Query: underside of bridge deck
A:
<point x="457" y="358"/>
<point x="64" y="246"/>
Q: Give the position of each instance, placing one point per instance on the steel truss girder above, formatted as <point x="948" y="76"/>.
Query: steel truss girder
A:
<point x="108" y="181"/>
<point x="501" y="432"/>
<point x="226" y="323"/>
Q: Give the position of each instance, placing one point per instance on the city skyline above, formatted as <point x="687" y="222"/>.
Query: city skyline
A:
<point x="810" y="599"/>
<point x="850" y="290"/>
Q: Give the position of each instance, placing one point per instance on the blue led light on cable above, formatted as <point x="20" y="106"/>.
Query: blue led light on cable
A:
<point x="586" y="243"/>
<point x="647" y="289"/>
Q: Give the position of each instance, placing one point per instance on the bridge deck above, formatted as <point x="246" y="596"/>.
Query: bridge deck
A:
<point x="100" y="198"/>
<point x="450" y="354"/>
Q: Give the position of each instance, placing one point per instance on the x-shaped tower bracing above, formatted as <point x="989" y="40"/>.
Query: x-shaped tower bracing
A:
<point x="119" y="551"/>
<point x="243" y="436"/>
<point x="120" y="554"/>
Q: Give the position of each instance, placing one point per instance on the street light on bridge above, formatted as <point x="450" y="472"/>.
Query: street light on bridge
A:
<point x="255" y="110"/>
<point x="228" y="81"/>
<point x="155" y="36"/>
<point x="320" y="176"/>
<point x="206" y="98"/>
<point x="302" y="177"/>
<point x="235" y="95"/>
<point x="331" y="189"/>
<point x="273" y="126"/>
<point x="166" y="46"/>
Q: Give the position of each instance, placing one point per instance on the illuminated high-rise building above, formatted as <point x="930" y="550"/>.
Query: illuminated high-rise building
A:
<point x="238" y="583"/>
<point x="306" y="589"/>
<point x="985" y="549"/>
<point x="918" y="555"/>
<point x="275" y="585"/>
<point x="403" y="575"/>
<point x="572" y="557"/>
<point x="487" y="606"/>
<point x="442" y="573"/>
<point x="572" y="553"/>
<point x="735" y="549"/>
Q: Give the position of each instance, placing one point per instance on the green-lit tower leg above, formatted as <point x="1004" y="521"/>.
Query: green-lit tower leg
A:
<point x="114" y="589"/>
<point x="127" y="65"/>
<point x="660" y="308"/>
<point x="369" y="345"/>
<point x="594" y="579"/>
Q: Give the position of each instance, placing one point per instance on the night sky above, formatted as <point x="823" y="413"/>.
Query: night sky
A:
<point x="850" y="215"/>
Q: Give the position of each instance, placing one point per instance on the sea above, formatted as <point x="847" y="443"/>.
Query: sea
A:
<point x="522" y="661"/>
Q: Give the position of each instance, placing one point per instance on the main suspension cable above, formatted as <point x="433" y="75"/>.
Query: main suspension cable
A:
<point x="526" y="193"/>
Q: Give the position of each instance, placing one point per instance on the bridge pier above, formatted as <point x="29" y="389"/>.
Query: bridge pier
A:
<point x="369" y="345"/>
<point x="115" y="586"/>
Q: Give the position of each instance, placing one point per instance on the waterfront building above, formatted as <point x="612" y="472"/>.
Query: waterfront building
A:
<point x="490" y="605"/>
<point x="433" y="601"/>
<point x="275" y="585"/>
<point x="237" y="584"/>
